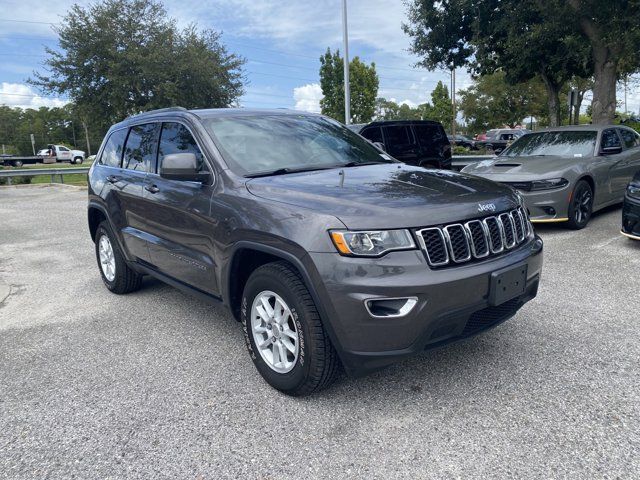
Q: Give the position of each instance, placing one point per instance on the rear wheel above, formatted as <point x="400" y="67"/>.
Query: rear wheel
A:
<point x="17" y="163"/>
<point x="284" y="333"/>
<point x="581" y="206"/>
<point x="116" y="274"/>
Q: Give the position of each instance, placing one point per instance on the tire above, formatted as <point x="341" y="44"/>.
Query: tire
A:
<point x="17" y="163"/>
<point x="78" y="160"/>
<point x="580" y="206"/>
<point x="315" y="365"/>
<point x="120" y="279"/>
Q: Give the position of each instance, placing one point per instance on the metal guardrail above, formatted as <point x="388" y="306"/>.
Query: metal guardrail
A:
<point x="34" y="172"/>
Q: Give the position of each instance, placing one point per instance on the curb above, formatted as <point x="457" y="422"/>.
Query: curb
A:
<point x="46" y="185"/>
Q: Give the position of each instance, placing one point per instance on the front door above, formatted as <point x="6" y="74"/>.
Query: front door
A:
<point x="177" y="217"/>
<point x="618" y="177"/>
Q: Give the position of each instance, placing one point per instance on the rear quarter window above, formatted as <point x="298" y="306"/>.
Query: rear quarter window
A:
<point x="112" y="152"/>
<point x="432" y="137"/>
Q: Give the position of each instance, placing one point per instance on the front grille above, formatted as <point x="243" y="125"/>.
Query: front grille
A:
<point x="485" y="318"/>
<point x="459" y="243"/>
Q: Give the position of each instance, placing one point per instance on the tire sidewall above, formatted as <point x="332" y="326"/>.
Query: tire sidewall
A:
<point x="291" y="380"/>
<point x="580" y="186"/>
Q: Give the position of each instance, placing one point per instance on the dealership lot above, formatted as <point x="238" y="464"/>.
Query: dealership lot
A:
<point x="159" y="383"/>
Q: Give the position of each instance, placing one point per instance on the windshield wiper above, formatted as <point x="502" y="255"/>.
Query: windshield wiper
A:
<point x="284" y="171"/>
<point x="359" y="164"/>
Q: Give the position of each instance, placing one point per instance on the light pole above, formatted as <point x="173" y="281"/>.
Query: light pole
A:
<point x="347" y="89"/>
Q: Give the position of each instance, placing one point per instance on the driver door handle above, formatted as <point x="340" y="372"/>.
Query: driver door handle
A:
<point x="152" y="188"/>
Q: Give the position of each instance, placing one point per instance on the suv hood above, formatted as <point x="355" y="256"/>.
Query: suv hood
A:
<point x="387" y="195"/>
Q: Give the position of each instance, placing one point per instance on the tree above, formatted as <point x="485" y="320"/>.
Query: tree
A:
<point x="363" y="81"/>
<point x="440" y="108"/>
<point x="523" y="39"/>
<point x="611" y="28"/>
<point x="120" y="57"/>
<point x="493" y="102"/>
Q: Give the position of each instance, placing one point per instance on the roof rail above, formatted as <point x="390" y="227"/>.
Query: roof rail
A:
<point x="159" y="110"/>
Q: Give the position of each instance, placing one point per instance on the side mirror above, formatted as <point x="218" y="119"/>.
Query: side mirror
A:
<point x="611" y="150"/>
<point x="184" y="167"/>
<point x="380" y="146"/>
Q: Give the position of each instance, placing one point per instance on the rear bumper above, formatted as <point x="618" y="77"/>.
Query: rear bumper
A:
<point x="631" y="218"/>
<point x="452" y="304"/>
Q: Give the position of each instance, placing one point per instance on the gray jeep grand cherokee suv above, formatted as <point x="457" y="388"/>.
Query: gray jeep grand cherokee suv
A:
<point x="328" y="251"/>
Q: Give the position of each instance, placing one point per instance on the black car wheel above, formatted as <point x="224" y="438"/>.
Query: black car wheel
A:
<point x="284" y="333"/>
<point x="581" y="206"/>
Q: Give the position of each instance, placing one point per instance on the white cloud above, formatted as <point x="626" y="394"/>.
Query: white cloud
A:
<point x="23" y="96"/>
<point x="307" y="97"/>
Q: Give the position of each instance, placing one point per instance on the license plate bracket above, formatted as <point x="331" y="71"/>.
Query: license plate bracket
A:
<point x="507" y="283"/>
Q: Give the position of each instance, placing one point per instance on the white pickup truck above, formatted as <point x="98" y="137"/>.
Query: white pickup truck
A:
<point x="51" y="154"/>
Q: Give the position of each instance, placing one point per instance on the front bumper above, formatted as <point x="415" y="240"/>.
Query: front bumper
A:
<point x="453" y="303"/>
<point x="631" y="218"/>
<point x="548" y="206"/>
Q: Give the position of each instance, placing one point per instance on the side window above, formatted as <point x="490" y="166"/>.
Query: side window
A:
<point x="610" y="139"/>
<point x="397" y="135"/>
<point x="142" y="144"/>
<point x="373" y="134"/>
<point x="176" y="138"/>
<point x="112" y="152"/>
<point x="63" y="149"/>
<point x="630" y="138"/>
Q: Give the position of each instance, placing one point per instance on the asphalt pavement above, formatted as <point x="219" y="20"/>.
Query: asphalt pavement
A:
<point x="157" y="384"/>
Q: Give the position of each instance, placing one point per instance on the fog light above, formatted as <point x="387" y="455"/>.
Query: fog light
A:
<point x="549" y="210"/>
<point x="390" y="307"/>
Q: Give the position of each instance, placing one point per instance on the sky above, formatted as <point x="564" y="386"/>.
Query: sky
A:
<point x="281" y="41"/>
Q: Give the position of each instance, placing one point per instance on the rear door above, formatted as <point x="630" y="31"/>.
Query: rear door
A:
<point x="177" y="216"/>
<point x="435" y="149"/>
<point x="400" y="143"/>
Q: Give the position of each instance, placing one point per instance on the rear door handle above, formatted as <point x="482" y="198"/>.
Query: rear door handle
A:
<point x="152" y="188"/>
<point x="112" y="179"/>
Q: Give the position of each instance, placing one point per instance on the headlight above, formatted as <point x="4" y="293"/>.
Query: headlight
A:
<point x="549" y="184"/>
<point x="371" y="243"/>
<point x="633" y="190"/>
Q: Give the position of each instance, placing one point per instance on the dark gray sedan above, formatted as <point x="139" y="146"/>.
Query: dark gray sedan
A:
<point x="567" y="173"/>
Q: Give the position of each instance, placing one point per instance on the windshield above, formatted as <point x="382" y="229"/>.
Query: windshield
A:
<point x="259" y="144"/>
<point x="565" y="143"/>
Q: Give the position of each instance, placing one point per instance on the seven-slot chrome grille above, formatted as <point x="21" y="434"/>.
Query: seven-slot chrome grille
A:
<point x="458" y="243"/>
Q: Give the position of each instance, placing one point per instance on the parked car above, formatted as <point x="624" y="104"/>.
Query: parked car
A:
<point x="463" y="141"/>
<point x="416" y="142"/>
<point x="567" y="173"/>
<point x="328" y="251"/>
<point x="631" y="209"/>
<point x="499" y="139"/>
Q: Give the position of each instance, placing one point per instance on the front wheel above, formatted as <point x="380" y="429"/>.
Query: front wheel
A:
<point x="580" y="206"/>
<point x="284" y="333"/>
<point x="17" y="163"/>
<point x="78" y="160"/>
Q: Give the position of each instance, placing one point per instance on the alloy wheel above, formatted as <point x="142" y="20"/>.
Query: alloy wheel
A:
<point x="107" y="258"/>
<point x="274" y="331"/>
<point x="582" y="205"/>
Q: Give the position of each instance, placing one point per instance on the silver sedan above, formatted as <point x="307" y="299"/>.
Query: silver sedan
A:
<point x="567" y="173"/>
